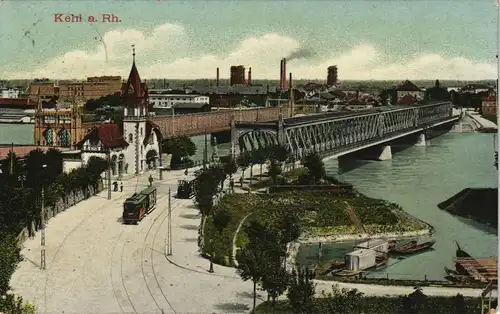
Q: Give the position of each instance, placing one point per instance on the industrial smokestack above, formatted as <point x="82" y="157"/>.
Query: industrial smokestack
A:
<point x="249" y="76"/>
<point x="290" y="81"/>
<point x="284" y="74"/>
<point x="281" y="74"/>
<point x="217" y="81"/>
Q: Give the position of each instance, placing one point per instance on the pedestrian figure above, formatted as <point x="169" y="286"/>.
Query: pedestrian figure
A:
<point x="241" y="181"/>
<point x="115" y="186"/>
<point x="150" y="180"/>
<point x="121" y="186"/>
<point x="231" y="185"/>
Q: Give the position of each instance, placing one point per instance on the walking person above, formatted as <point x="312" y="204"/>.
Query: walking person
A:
<point x="121" y="186"/>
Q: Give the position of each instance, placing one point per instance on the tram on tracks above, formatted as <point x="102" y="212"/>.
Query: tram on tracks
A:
<point x="139" y="205"/>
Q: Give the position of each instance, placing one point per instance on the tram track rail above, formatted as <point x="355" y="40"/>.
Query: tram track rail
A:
<point x="85" y="219"/>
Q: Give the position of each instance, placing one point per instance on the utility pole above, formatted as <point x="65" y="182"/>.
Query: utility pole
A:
<point x="169" y="252"/>
<point x="42" y="227"/>
<point x="205" y="152"/>
<point x="109" y="174"/>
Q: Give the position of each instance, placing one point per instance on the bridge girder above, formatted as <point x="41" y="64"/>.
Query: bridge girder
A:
<point x="340" y="134"/>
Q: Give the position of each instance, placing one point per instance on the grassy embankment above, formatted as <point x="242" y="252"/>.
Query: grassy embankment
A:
<point x="322" y="213"/>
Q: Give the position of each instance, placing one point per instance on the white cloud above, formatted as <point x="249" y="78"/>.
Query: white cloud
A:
<point x="166" y="53"/>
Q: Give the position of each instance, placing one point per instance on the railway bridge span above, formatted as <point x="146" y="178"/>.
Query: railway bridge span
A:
<point x="336" y="134"/>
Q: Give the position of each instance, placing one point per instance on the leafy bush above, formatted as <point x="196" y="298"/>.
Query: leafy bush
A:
<point x="347" y="304"/>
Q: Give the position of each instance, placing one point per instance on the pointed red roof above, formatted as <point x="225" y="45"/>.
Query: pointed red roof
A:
<point x="408" y="86"/>
<point x="134" y="92"/>
<point x="109" y="134"/>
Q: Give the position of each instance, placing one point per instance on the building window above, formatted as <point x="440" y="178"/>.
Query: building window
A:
<point x="130" y="138"/>
<point x="141" y="131"/>
<point x="151" y="138"/>
<point x="141" y="151"/>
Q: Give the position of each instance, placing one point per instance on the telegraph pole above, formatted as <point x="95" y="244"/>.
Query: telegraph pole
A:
<point x="109" y="174"/>
<point x="169" y="252"/>
<point x="42" y="227"/>
<point x="205" y="152"/>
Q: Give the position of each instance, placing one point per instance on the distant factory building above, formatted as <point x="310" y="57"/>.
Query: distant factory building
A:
<point x="161" y="99"/>
<point x="237" y="75"/>
<point x="332" y="78"/>
<point x="9" y="92"/>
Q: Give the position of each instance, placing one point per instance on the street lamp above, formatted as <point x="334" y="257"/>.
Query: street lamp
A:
<point x="42" y="227"/>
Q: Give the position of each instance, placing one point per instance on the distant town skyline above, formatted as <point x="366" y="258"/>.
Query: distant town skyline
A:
<point x="378" y="40"/>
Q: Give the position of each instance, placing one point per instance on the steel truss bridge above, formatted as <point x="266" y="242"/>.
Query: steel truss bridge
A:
<point x="340" y="133"/>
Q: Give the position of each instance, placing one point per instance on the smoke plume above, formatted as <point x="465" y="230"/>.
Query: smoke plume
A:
<point x="301" y="53"/>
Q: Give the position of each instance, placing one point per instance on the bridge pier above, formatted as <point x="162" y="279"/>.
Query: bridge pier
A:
<point x="421" y="140"/>
<point x="386" y="153"/>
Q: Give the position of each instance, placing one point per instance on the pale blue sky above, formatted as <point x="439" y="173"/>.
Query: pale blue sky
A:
<point x="399" y="30"/>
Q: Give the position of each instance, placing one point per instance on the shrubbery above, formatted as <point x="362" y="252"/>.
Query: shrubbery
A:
<point x="353" y="302"/>
<point x="21" y="184"/>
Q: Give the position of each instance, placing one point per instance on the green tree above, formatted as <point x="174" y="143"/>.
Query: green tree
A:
<point x="315" y="166"/>
<point x="219" y="174"/>
<point x="230" y="167"/>
<point x="460" y="306"/>
<point x="180" y="147"/>
<point x="259" y="157"/>
<point x="343" y="301"/>
<point x="301" y="291"/>
<point x="274" y="279"/>
<point x="54" y="162"/>
<point x="279" y="153"/>
<point x="243" y="162"/>
<point x="254" y="256"/>
<point x="415" y="302"/>
<point x="205" y="187"/>
<point x="274" y="170"/>
<point x="11" y="165"/>
<point x="35" y="171"/>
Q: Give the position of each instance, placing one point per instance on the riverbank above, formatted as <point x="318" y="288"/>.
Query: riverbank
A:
<point x="478" y="204"/>
<point x="323" y="217"/>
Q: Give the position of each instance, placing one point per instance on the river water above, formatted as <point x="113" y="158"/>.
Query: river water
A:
<point x="417" y="178"/>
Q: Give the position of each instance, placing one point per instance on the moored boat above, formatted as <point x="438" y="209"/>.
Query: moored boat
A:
<point x="413" y="246"/>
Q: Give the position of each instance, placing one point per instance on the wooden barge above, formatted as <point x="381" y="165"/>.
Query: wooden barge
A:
<point x="474" y="270"/>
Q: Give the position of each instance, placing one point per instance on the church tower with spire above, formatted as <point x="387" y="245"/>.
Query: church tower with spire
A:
<point x="135" y="101"/>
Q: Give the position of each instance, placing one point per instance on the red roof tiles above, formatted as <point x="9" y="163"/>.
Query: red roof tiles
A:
<point x="109" y="134"/>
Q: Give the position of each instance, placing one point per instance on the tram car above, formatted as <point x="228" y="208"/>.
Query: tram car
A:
<point x="139" y="205"/>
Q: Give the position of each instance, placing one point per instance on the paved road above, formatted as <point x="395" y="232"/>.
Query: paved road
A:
<point x="95" y="264"/>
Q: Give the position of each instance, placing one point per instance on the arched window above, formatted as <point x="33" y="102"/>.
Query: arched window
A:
<point x="130" y="138"/>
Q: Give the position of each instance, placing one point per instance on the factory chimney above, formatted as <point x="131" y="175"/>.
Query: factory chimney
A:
<point x="249" y="76"/>
<point x="284" y="75"/>
<point x="291" y="96"/>
<point x="217" y="81"/>
<point x="281" y="74"/>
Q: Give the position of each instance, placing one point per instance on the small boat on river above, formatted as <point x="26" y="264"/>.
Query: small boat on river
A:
<point x="411" y="247"/>
<point x="380" y="261"/>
